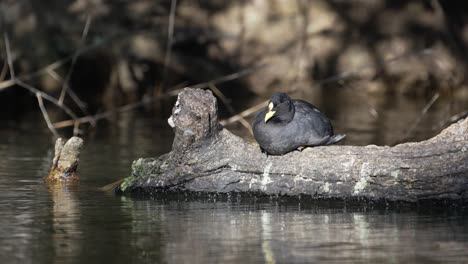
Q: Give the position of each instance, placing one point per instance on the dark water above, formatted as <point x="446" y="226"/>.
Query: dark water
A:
<point x="81" y="224"/>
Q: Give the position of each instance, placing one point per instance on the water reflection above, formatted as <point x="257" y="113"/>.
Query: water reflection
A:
<point x="218" y="232"/>
<point x="65" y="219"/>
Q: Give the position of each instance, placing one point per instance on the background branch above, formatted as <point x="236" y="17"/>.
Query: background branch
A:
<point x="66" y="82"/>
<point x="9" y="56"/>
<point x="46" y="116"/>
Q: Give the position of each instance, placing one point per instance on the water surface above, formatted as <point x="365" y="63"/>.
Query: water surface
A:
<point x="82" y="224"/>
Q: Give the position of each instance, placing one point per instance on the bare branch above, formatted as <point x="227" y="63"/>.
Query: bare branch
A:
<point x="334" y="78"/>
<point x="418" y="120"/>
<point x="9" y="56"/>
<point x="52" y="73"/>
<point x="86" y="28"/>
<point x="46" y="116"/>
<point x="170" y="34"/>
<point x="170" y="40"/>
<point x="66" y="82"/>
<point x="229" y="107"/>
<point x="173" y="92"/>
<point x="231" y="76"/>
<point x="244" y="113"/>
<point x="347" y="74"/>
<point x="47" y="97"/>
<point x="52" y="66"/>
<point x="451" y="120"/>
<point x="170" y="93"/>
<point x="125" y="108"/>
<point x="4" y="71"/>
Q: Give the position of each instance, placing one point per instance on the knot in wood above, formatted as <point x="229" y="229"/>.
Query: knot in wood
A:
<point x="194" y="117"/>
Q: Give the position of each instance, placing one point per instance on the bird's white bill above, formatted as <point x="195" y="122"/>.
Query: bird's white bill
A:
<point x="269" y="115"/>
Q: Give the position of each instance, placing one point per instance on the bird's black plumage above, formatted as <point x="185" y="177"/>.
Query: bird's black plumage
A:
<point x="286" y="125"/>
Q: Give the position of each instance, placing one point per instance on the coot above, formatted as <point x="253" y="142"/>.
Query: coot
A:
<point x="288" y="124"/>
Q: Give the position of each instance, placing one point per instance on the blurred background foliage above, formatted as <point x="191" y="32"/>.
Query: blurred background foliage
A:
<point x="354" y="59"/>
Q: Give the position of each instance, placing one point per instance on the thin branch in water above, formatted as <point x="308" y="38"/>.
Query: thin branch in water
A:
<point x="244" y="113"/>
<point x="9" y="56"/>
<point x="418" y="120"/>
<point x="229" y="107"/>
<point x="452" y="119"/>
<point x="66" y="82"/>
<point x="46" y="116"/>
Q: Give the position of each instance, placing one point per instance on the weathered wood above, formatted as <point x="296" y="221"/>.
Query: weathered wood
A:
<point x="66" y="160"/>
<point x="205" y="158"/>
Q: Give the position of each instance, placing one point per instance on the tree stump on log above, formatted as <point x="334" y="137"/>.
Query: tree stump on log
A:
<point x="65" y="161"/>
<point x="208" y="158"/>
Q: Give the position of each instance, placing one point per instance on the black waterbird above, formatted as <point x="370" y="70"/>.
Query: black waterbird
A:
<point x="289" y="124"/>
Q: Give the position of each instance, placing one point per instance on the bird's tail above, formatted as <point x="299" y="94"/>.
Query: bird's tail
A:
<point x="335" y="139"/>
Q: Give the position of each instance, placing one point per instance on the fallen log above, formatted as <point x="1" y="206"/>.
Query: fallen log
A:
<point x="208" y="158"/>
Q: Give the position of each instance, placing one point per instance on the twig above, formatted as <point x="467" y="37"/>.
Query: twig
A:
<point x="170" y="34"/>
<point x="4" y="71"/>
<point x="46" y="116"/>
<point x="9" y="56"/>
<point x="452" y="119"/>
<point x="76" y="127"/>
<point x="170" y="93"/>
<point x="82" y="105"/>
<point x="244" y="113"/>
<point x="229" y="107"/>
<point x="66" y="82"/>
<point x="54" y="75"/>
<point x="170" y="42"/>
<point x="125" y="108"/>
<point x="47" y="97"/>
<point x="450" y="32"/>
<point x="418" y="120"/>
<point x="334" y="78"/>
<point x="347" y="74"/>
<point x="231" y="76"/>
<point x="52" y="66"/>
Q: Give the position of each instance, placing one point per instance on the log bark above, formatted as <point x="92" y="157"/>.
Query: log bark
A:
<point x="208" y="158"/>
